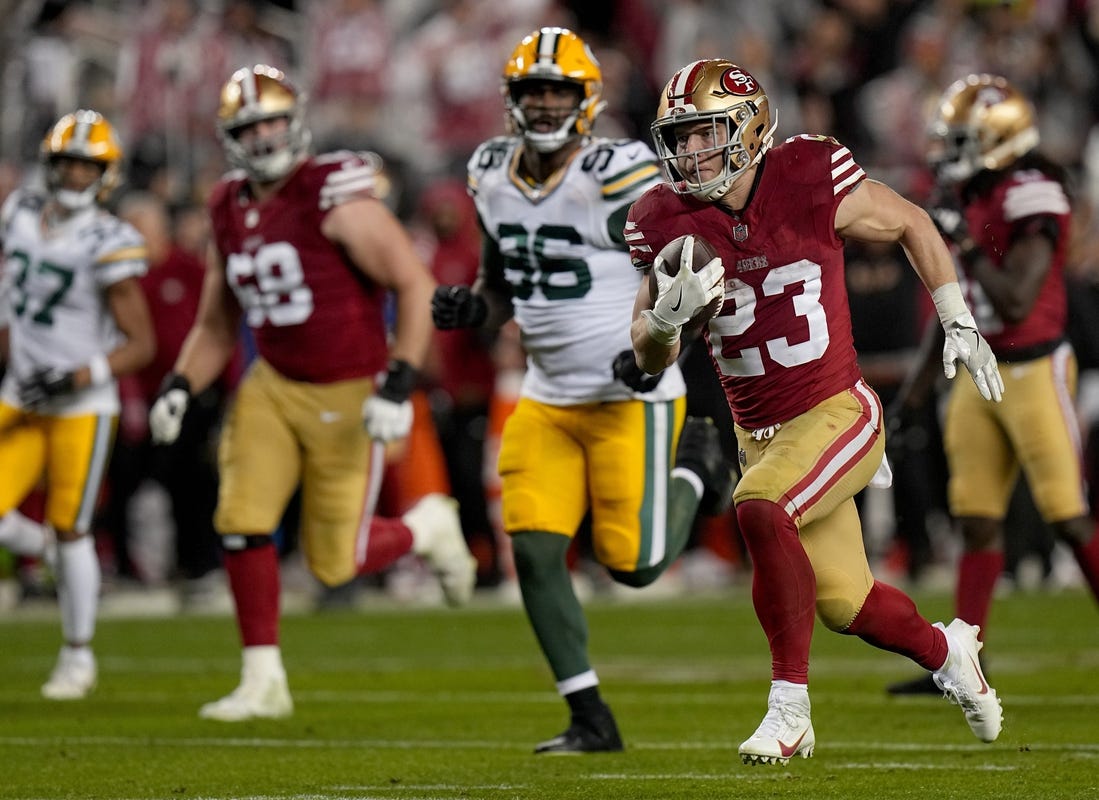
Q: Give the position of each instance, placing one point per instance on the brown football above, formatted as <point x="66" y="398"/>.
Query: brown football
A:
<point x="703" y="254"/>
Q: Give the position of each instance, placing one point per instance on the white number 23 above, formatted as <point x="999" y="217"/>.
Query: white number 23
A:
<point x="806" y="305"/>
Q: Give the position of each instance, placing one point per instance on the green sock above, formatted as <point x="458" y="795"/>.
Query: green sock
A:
<point x="554" y="612"/>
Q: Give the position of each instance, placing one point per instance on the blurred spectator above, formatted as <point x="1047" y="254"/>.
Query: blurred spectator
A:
<point x="351" y="45"/>
<point x="462" y="370"/>
<point x="186" y="470"/>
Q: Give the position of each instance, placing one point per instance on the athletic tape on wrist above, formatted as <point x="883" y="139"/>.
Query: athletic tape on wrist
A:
<point x="949" y="303"/>
<point x="99" y="370"/>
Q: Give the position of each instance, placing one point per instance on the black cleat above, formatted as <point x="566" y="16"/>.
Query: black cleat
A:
<point x="922" y="685"/>
<point x="593" y="732"/>
<point x="700" y="451"/>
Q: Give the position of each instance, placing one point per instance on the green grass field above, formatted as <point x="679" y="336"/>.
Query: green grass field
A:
<point x="429" y="703"/>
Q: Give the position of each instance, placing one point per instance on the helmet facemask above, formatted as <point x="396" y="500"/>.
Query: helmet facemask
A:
<point x="559" y="56"/>
<point x="728" y="131"/>
<point x="725" y="106"/>
<point x="568" y="120"/>
<point x="253" y="95"/>
<point x="983" y="123"/>
<point x="81" y="136"/>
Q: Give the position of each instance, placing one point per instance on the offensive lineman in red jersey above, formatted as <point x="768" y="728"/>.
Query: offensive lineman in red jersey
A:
<point x="1011" y="235"/>
<point x="305" y="253"/>
<point x="808" y="428"/>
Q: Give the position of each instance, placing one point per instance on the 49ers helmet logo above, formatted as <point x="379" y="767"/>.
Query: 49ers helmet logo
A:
<point x="737" y="82"/>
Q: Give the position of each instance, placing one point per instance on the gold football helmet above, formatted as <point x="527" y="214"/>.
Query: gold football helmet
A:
<point x="981" y="122"/>
<point x="251" y="95"/>
<point x="731" y="100"/>
<point x="87" y="136"/>
<point x="554" y="54"/>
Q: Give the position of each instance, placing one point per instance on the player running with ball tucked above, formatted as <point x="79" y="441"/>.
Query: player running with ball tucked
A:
<point x="808" y="427"/>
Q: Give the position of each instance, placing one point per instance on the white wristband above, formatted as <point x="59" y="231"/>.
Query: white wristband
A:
<point x="99" y="370"/>
<point x="949" y="303"/>
<point x="660" y="331"/>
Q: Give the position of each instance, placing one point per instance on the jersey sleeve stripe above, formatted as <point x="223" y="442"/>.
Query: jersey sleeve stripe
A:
<point x="1031" y="199"/>
<point x="624" y="183"/>
<point x="365" y="186"/>
<point x="135" y="253"/>
<point x="845" y="172"/>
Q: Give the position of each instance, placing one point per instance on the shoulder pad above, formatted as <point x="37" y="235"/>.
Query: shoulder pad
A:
<point x="359" y="175"/>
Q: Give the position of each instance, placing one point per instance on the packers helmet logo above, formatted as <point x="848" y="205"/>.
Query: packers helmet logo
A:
<point x="737" y="82"/>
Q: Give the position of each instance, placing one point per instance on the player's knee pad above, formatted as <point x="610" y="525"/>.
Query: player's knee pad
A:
<point x="637" y="579"/>
<point x="839" y="599"/>
<point x="235" y="542"/>
<point x="1074" y="532"/>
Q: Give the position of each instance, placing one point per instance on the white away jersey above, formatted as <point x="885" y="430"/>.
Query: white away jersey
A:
<point x="572" y="283"/>
<point x="53" y="296"/>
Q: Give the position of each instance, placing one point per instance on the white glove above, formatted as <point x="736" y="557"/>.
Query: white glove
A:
<point x="386" y="420"/>
<point x="965" y="343"/>
<point x="166" y="416"/>
<point x="680" y="298"/>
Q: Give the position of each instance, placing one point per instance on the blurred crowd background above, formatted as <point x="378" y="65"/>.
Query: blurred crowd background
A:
<point x="418" y="81"/>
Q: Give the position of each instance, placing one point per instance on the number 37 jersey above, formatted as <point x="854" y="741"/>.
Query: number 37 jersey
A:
<point x="54" y="293"/>
<point x="565" y="261"/>
<point x="314" y="315"/>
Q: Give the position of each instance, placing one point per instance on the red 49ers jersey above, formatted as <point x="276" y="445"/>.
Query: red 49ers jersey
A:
<point x="315" y="316"/>
<point x="782" y="341"/>
<point x="996" y="217"/>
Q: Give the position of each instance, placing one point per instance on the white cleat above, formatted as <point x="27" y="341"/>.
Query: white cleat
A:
<point x="963" y="682"/>
<point x="74" y="676"/>
<point x="438" y="539"/>
<point x="258" y="697"/>
<point x="786" y="730"/>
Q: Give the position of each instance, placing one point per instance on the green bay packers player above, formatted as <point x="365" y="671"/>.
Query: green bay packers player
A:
<point x="552" y="200"/>
<point x="306" y="254"/>
<point x="1007" y="212"/>
<point x="76" y="319"/>
<point x="808" y="428"/>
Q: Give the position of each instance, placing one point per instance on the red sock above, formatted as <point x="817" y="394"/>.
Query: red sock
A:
<point x="1087" y="556"/>
<point x="889" y="620"/>
<point x="784" y="588"/>
<point x="978" y="571"/>
<point x="254" y="580"/>
<point x="388" y="540"/>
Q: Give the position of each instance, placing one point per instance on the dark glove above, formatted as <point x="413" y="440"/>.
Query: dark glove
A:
<point x="457" y="307"/>
<point x="43" y="385"/>
<point x="951" y="224"/>
<point x="624" y="367"/>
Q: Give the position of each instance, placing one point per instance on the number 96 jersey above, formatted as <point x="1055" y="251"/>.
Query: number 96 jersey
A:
<point x="561" y="250"/>
<point x="315" y="316"/>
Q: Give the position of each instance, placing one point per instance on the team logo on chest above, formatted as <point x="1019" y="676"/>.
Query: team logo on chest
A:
<point x="740" y="232"/>
<point x="251" y="218"/>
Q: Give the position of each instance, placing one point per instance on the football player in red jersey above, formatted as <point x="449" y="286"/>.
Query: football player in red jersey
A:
<point x="1008" y="216"/>
<point x="809" y="430"/>
<point x="305" y="253"/>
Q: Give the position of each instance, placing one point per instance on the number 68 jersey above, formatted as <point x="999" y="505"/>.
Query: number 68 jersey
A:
<point x="54" y="294"/>
<point x="314" y="315"/>
<point x="565" y="261"/>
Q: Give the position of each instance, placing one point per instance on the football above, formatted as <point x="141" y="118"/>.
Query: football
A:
<point x="672" y="253"/>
